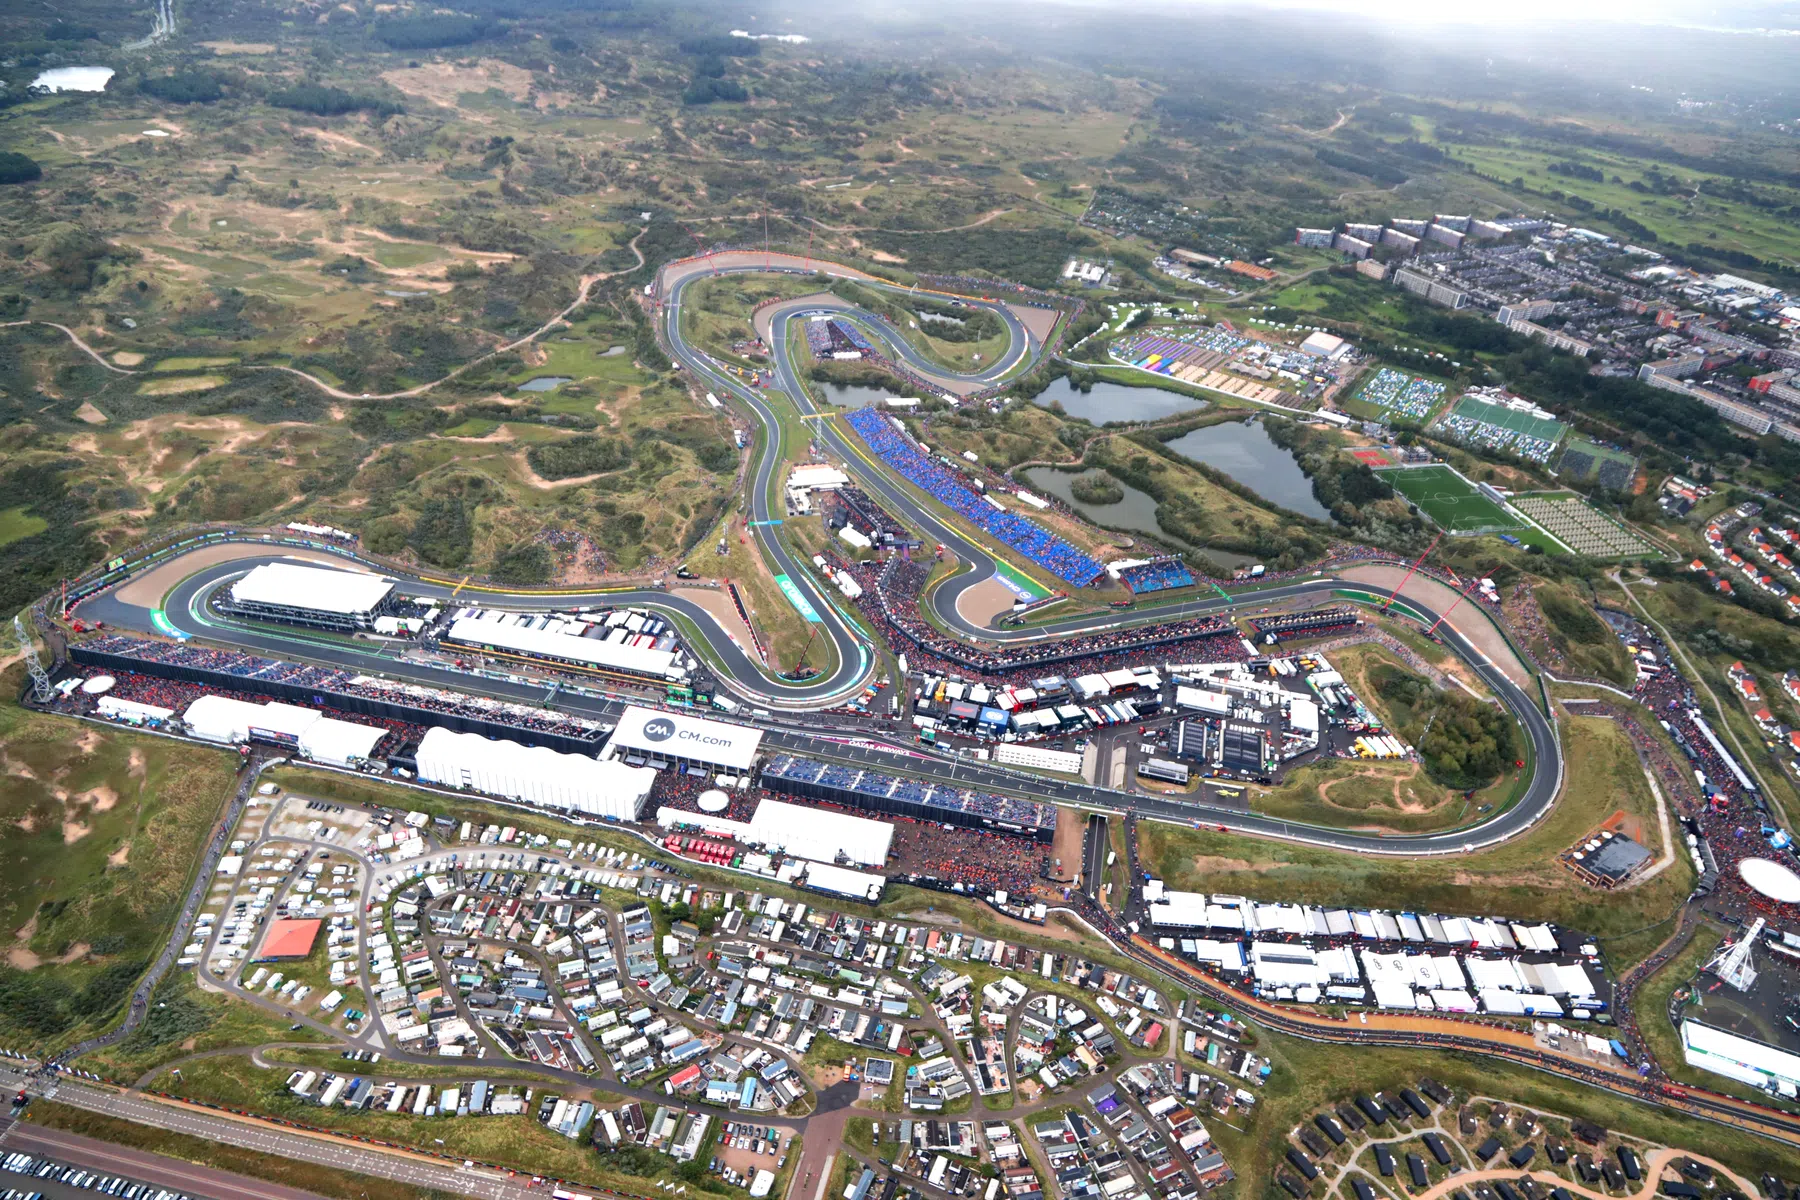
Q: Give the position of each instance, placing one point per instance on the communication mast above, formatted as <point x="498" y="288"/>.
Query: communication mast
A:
<point x="1732" y="964"/>
<point x="40" y="678"/>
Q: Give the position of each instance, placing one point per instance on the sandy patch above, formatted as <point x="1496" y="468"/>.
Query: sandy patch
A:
<point x="85" y="443"/>
<point x="21" y="958"/>
<point x="1470" y="622"/>
<point x="239" y="47"/>
<point x="148" y="590"/>
<point x="442" y="83"/>
<point x="1037" y="321"/>
<point x="74" y="831"/>
<point x="719" y="606"/>
<point x="127" y="358"/>
<point x="882" y="256"/>
<point x="89" y="741"/>
<point x="100" y="799"/>
<point x="118" y="857"/>
<point x="93" y="416"/>
<point x="135" y="764"/>
<point x="1205" y="863"/>
<point x="985" y="601"/>
<point x="181" y="386"/>
<point x="537" y="481"/>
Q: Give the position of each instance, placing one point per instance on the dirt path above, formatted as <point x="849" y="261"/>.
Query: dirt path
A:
<point x="79" y="344"/>
<point x="561" y="318"/>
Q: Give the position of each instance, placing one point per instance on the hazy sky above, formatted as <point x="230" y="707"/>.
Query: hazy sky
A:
<point x="1779" y="19"/>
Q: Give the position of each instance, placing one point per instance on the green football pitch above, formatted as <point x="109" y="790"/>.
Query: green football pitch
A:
<point x="1450" y="500"/>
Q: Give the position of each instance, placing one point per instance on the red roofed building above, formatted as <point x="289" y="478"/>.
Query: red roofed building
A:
<point x="289" y="938"/>
<point x="686" y="1077"/>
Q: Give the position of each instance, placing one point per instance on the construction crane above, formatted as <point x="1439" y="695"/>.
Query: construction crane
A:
<point x="1732" y="963"/>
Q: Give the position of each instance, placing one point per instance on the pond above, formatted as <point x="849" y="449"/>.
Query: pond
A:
<point x="545" y="383"/>
<point x="1116" y="402"/>
<point x="74" y="79"/>
<point x="1242" y="450"/>
<point x="850" y="395"/>
<point x="1136" y="512"/>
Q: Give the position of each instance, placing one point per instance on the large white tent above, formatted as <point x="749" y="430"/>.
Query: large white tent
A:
<point x="340" y="743"/>
<point x="534" y="775"/>
<point x="224" y="719"/>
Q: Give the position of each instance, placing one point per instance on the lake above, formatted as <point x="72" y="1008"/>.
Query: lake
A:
<point x="74" y="79"/>
<point x="1116" y="402"/>
<point x="1136" y="512"/>
<point x="1242" y="450"/>
<point x="545" y="383"/>
<point x="849" y="395"/>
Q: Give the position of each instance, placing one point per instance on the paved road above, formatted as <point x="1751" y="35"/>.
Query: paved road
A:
<point x="140" y="1166"/>
<point x="263" y="1137"/>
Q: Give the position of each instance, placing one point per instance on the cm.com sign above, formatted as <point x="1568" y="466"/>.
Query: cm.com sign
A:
<point x="644" y="730"/>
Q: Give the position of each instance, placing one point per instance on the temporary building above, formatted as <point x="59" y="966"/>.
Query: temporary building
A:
<point x="131" y="711"/>
<point x="678" y="737"/>
<point x="223" y="719"/>
<point x="534" y="775"/>
<point x="340" y="743"/>
<point x="316" y="589"/>
<point x="858" y="885"/>
<point x="800" y="832"/>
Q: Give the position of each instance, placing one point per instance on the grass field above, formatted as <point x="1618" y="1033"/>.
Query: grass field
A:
<point x="1395" y="797"/>
<point x="1520" y="880"/>
<point x="1449" y="500"/>
<point x="18" y="523"/>
<point x="101" y="832"/>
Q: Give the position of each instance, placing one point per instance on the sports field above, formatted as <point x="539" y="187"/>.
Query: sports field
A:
<point x="1449" y="499"/>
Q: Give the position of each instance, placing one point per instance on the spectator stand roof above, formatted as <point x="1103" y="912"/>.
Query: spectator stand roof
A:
<point x="290" y="585"/>
<point x="694" y="739"/>
<point x="549" y="643"/>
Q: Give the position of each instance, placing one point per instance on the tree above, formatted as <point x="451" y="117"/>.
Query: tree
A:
<point x="18" y="168"/>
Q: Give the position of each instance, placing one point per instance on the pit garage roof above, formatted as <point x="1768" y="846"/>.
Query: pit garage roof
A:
<point x="693" y="739"/>
<point x="320" y="589"/>
<point x="290" y="938"/>
<point x="548" y="643"/>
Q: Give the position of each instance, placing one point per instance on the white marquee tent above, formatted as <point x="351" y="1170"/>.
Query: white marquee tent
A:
<point x="534" y="775"/>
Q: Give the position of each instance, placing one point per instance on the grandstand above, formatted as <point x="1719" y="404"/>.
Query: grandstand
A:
<point x="1035" y="543"/>
<point x="1152" y="575"/>
<point x="852" y="787"/>
<point x="317" y="597"/>
<point x="1281" y="627"/>
<point x="361" y="696"/>
<point x="563" y="642"/>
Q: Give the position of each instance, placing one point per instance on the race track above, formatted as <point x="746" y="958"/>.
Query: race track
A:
<point x="792" y="722"/>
